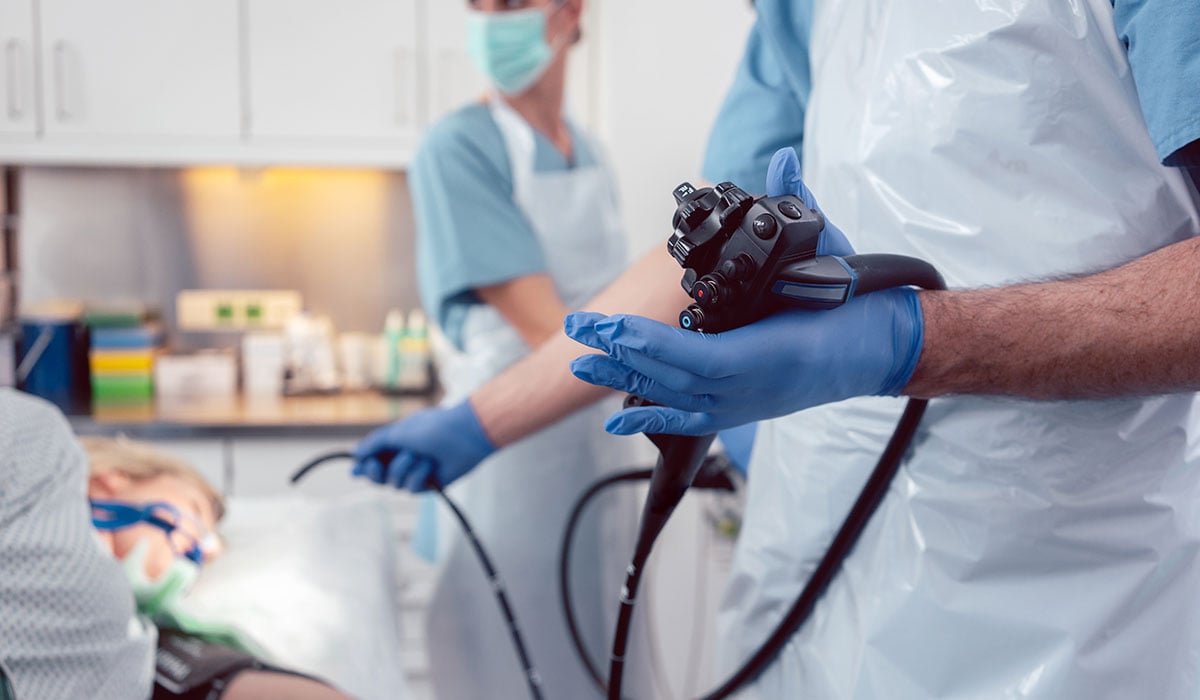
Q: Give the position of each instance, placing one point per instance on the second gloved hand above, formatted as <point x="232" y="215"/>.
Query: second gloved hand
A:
<point x="782" y="364"/>
<point x="442" y="443"/>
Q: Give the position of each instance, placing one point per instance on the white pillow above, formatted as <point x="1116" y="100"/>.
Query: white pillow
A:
<point x="312" y="581"/>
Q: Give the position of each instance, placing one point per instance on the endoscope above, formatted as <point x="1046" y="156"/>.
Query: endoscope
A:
<point x="744" y="258"/>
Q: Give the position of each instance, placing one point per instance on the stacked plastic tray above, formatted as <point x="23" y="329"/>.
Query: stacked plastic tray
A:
<point x="123" y="348"/>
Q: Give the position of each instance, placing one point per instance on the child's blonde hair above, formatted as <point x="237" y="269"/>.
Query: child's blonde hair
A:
<point x="137" y="460"/>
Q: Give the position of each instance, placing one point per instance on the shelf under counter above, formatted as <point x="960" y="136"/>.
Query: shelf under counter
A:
<point x="344" y="415"/>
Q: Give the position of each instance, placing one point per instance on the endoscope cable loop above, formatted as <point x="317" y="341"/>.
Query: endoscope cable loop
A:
<point x="532" y="677"/>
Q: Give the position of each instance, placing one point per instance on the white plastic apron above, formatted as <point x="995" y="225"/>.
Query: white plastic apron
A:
<point x="1025" y="550"/>
<point x="519" y="499"/>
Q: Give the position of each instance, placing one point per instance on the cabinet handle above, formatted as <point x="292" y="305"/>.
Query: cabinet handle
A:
<point x="60" y="81"/>
<point x="16" y="90"/>
<point x="406" y="74"/>
<point x="448" y="79"/>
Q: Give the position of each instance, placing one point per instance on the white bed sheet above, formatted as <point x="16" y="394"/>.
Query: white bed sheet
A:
<point x="312" y="581"/>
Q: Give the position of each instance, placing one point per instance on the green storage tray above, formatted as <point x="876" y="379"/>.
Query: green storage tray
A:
<point x="122" y="388"/>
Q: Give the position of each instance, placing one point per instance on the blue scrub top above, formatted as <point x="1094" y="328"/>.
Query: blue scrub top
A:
<point x="470" y="231"/>
<point x="764" y="110"/>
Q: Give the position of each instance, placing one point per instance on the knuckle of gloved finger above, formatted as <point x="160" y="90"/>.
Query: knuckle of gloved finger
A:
<point x="614" y="376"/>
<point x="638" y="383"/>
<point x="702" y="403"/>
<point x="683" y="425"/>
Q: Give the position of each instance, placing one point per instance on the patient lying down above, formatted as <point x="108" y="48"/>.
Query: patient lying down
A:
<point x="80" y="585"/>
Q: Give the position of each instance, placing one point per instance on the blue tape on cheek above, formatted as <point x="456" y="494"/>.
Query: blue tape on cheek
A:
<point x="115" y="515"/>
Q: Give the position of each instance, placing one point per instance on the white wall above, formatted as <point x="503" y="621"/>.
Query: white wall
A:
<point x="663" y="68"/>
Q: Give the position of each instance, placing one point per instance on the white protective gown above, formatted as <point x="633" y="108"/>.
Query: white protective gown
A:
<point x="519" y="499"/>
<point x="1025" y="550"/>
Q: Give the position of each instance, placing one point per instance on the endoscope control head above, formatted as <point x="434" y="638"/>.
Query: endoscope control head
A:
<point x="733" y="247"/>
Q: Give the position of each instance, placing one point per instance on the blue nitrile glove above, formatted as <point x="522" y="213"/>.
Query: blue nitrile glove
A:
<point x="783" y="177"/>
<point x="785" y="363"/>
<point x="444" y="443"/>
<point x="782" y="364"/>
<point x="739" y="442"/>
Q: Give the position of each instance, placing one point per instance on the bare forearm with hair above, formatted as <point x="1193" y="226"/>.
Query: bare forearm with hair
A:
<point x="1131" y="330"/>
<point x="540" y="389"/>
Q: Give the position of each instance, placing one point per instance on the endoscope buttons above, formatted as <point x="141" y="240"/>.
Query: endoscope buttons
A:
<point x="790" y="210"/>
<point x="765" y="225"/>
<point x="706" y="292"/>
<point x="691" y="318"/>
<point x="738" y="268"/>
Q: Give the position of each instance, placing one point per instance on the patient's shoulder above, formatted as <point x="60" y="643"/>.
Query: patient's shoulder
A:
<point x="37" y="452"/>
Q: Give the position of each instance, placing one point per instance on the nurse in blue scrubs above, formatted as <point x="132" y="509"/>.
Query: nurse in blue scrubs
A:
<point x="517" y="225"/>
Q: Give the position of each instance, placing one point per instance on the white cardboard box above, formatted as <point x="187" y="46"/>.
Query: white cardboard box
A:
<point x="200" y="375"/>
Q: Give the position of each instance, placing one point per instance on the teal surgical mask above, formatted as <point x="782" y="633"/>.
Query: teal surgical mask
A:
<point x="510" y="48"/>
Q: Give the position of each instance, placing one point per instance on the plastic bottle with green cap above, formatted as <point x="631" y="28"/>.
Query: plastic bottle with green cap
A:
<point x="393" y="338"/>
<point x="414" y="373"/>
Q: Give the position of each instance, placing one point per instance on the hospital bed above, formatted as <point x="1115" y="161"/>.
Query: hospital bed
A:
<point x="323" y="577"/>
<point x="319" y="584"/>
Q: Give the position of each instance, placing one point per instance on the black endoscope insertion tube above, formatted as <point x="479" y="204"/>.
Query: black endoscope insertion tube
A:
<point x="714" y="475"/>
<point x="533" y="680"/>
<point x="679" y="461"/>
<point x="564" y="563"/>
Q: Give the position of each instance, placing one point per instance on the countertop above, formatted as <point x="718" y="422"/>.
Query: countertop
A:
<point x="347" y="415"/>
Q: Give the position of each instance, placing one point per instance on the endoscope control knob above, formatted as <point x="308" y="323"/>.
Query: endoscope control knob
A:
<point x="691" y="318"/>
<point x="691" y="215"/>
<point x="681" y="249"/>
<point x="734" y="205"/>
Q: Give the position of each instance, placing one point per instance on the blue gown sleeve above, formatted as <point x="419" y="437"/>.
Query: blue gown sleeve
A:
<point x="470" y="231"/>
<point x="1162" y="40"/>
<point x="764" y="109"/>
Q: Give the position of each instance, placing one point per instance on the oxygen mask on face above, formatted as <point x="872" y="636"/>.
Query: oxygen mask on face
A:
<point x="186" y="536"/>
<point x="162" y="593"/>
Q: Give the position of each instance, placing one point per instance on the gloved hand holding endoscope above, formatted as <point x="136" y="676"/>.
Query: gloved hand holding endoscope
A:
<point x="782" y="364"/>
<point x="444" y="443"/>
<point x="788" y="361"/>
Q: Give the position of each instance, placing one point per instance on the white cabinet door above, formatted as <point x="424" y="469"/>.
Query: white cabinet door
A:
<point x="144" y="68"/>
<point x="321" y="70"/>
<point x="453" y="80"/>
<point x="18" y="110"/>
